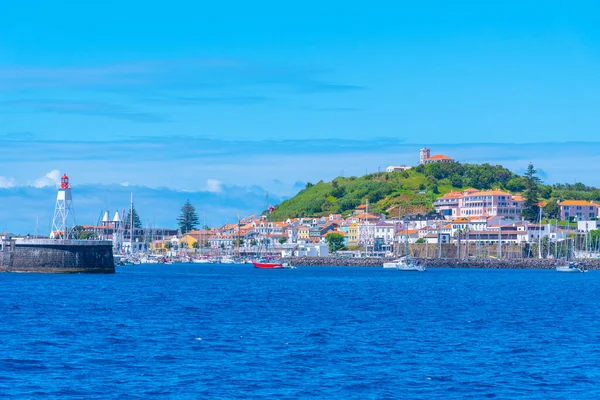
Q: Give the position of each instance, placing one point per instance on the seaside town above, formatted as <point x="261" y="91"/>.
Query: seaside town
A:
<point x="485" y="223"/>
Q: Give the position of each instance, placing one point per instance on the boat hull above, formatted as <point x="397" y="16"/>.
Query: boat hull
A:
<point x="404" y="265"/>
<point x="267" y="265"/>
<point x="569" y="269"/>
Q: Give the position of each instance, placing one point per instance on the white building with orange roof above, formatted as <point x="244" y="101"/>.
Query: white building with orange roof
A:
<point x="578" y="210"/>
<point x="411" y="234"/>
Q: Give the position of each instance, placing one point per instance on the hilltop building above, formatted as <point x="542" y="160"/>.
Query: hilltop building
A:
<point x="425" y="157"/>
<point x="393" y="168"/>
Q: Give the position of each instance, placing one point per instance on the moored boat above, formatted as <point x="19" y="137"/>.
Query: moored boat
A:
<point x="405" y="264"/>
<point x="267" y="264"/>
<point x="571" y="267"/>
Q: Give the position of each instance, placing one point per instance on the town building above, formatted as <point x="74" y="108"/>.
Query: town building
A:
<point x="587" y="226"/>
<point x="491" y="203"/>
<point x="474" y="203"/>
<point x="578" y="210"/>
<point x="449" y="204"/>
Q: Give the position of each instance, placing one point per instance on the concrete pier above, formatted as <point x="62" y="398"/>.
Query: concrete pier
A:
<point x="56" y="256"/>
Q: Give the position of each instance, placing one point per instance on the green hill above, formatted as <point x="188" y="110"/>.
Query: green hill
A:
<point x="415" y="190"/>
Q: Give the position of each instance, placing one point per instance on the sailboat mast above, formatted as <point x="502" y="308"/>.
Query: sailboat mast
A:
<point x="406" y="235"/>
<point x="131" y="224"/>
<point x="540" y="234"/>
<point x="366" y="236"/>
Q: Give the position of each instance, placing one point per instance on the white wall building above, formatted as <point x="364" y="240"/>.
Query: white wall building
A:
<point x="586" y="226"/>
<point x="393" y="168"/>
<point x="385" y="232"/>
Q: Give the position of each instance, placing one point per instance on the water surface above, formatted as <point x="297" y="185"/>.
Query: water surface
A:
<point x="232" y="331"/>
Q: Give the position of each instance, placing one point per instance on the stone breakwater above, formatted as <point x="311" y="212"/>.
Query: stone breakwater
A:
<point x="526" y="263"/>
<point x="57" y="256"/>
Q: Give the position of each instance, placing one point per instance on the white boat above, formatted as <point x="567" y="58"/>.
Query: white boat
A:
<point x="148" y="260"/>
<point x="405" y="264"/>
<point x="201" y="261"/>
<point x="571" y="267"/>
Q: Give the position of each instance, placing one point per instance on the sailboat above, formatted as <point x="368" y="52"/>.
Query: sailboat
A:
<point x="266" y="262"/>
<point x="570" y="266"/>
<point x="406" y="262"/>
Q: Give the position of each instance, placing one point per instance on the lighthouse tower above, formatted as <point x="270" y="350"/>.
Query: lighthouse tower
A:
<point x="64" y="207"/>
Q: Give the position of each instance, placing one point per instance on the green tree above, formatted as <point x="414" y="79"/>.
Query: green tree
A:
<point x="594" y="237"/>
<point x="188" y="220"/>
<point x="168" y="245"/>
<point x="77" y="231"/>
<point x="420" y="240"/>
<point x="531" y="208"/>
<point x="136" y="218"/>
<point x="282" y="240"/>
<point x="335" y="241"/>
<point x="552" y="210"/>
<point x="196" y="246"/>
<point x="86" y="235"/>
<point x="516" y="184"/>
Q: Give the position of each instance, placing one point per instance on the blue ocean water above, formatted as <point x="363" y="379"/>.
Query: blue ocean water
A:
<point x="235" y="332"/>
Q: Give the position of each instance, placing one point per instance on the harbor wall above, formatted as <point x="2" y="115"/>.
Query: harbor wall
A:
<point x="526" y="263"/>
<point x="57" y="256"/>
<point x="470" y="250"/>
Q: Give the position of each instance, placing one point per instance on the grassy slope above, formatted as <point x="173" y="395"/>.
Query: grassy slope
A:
<point x="413" y="190"/>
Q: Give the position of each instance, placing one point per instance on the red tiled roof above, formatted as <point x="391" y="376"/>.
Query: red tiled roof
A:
<point x="366" y="216"/>
<point x="439" y="157"/>
<point x="576" y="203"/>
<point x="452" y="195"/>
<point x="490" y="193"/>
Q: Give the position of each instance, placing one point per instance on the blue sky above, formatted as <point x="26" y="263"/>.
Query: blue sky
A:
<point x="222" y="102"/>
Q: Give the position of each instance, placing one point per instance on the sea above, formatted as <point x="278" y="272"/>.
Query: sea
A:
<point x="195" y="331"/>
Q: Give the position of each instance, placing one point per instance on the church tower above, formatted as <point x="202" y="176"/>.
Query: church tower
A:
<point x="424" y="154"/>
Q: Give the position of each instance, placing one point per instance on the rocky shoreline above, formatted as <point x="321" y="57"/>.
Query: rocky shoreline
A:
<point x="491" y="263"/>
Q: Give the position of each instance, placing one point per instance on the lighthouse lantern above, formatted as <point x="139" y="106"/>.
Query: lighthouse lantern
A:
<point x="64" y="182"/>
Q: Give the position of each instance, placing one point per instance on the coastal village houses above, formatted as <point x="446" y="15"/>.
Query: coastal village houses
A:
<point x="466" y="216"/>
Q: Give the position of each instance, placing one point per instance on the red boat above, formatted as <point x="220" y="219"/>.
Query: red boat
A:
<point x="267" y="265"/>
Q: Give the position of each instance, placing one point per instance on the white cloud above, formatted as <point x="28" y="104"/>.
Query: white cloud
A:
<point x="213" y="186"/>
<point x="52" y="178"/>
<point x="6" y="182"/>
<point x="124" y="184"/>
